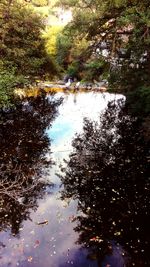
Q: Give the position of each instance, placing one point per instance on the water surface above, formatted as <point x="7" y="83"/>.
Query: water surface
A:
<point x="53" y="225"/>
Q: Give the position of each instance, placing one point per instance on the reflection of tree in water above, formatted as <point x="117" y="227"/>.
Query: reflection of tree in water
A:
<point x="23" y="146"/>
<point x="107" y="172"/>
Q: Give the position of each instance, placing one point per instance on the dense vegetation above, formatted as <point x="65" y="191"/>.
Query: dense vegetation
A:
<point x="23" y="55"/>
<point x="105" y="39"/>
<point x="111" y="39"/>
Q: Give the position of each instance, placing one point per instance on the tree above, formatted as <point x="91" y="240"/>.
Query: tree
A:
<point x="122" y="28"/>
<point x="50" y="36"/>
<point x="63" y="47"/>
<point x="22" y="48"/>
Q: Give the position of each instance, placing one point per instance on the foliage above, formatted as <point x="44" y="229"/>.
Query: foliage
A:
<point x="142" y="106"/>
<point x="71" y="53"/>
<point x="40" y="3"/>
<point x="122" y="28"/>
<point x="8" y="82"/>
<point x="63" y="47"/>
<point x="73" y="69"/>
<point x="95" y="68"/>
<point x="79" y="49"/>
<point x="22" y="48"/>
<point x="50" y="36"/>
<point x="78" y="55"/>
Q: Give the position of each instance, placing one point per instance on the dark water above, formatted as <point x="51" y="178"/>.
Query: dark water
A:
<point x="90" y="210"/>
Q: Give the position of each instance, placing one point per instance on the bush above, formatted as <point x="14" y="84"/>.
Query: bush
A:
<point x="39" y="3"/>
<point x="139" y="101"/>
<point x="73" y="69"/>
<point x="94" y="69"/>
<point x="8" y="82"/>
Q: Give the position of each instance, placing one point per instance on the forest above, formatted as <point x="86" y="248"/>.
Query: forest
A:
<point x="104" y="40"/>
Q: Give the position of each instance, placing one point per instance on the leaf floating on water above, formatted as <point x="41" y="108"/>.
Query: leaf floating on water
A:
<point x="2" y="245"/>
<point x="41" y="223"/>
<point x="32" y="232"/>
<point x="93" y="239"/>
<point x="117" y="233"/>
<point x="36" y="244"/>
<point x="30" y="259"/>
<point x="96" y="239"/>
<point x="65" y="203"/>
<point x="59" y="216"/>
<point x="72" y="218"/>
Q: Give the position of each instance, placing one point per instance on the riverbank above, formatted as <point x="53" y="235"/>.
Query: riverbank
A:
<point x="56" y="87"/>
<point x="87" y="86"/>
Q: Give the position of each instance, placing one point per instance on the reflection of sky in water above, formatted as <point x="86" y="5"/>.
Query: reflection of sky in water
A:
<point x="54" y="244"/>
<point x="71" y="114"/>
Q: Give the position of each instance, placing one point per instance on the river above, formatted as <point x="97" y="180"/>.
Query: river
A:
<point x="50" y="215"/>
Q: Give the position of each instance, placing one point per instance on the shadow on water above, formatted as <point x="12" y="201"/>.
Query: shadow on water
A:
<point x="107" y="173"/>
<point x="23" y="146"/>
<point x="100" y="215"/>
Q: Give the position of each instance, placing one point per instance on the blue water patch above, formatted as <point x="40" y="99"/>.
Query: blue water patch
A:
<point x="58" y="131"/>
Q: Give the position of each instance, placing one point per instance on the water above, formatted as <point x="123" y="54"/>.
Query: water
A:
<point x="60" y="223"/>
